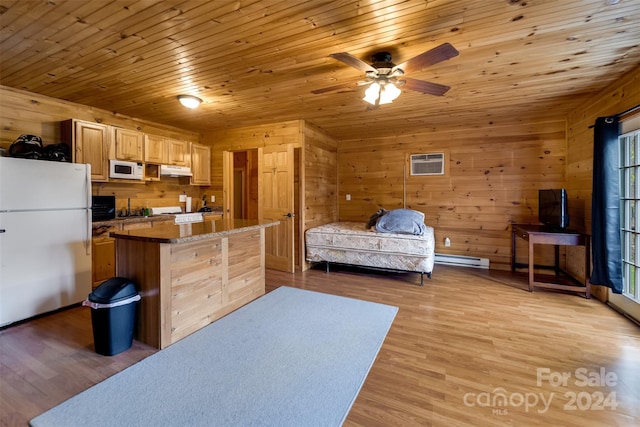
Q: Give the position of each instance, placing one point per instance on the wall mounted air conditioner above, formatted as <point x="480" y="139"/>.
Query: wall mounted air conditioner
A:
<point x="427" y="164"/>
<point x="172" y="170"/>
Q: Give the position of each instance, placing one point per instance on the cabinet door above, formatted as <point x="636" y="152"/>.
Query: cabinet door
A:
<point x="90" y="144"/>
<point x="177" y="152"/>
<point x="103" y="259"/>
<point x="129" y="145"/>
<point x="154" y="149"/>
<point x="200" y="164"/>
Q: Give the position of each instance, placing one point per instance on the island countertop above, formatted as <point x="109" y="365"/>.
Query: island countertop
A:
<point x="191" y="232"/>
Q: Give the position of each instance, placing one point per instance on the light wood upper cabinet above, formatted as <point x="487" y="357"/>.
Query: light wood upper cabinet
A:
<point x="177" y="152"/>
<point x="154" y="149"/>
<point x="90" y="144"/>
<point x="200" y="164"/>
<point x="129" y="145"/>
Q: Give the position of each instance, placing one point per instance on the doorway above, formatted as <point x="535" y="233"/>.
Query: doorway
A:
<point x="241" y="185"/>
<point x="245" y="184"/>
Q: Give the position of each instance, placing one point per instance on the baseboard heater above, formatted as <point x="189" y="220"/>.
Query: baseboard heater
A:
<point x="462" y="261"/>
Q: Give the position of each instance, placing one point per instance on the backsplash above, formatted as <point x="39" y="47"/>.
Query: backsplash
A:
<point x="166" y="192"/>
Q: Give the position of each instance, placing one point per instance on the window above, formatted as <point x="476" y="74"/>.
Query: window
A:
<point x="630" y="213"/>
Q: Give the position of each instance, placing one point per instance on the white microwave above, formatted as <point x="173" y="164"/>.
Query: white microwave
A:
<point x="125" y="170"/>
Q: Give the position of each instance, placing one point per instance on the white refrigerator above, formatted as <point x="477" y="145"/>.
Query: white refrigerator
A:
<point x="45" y="236"/>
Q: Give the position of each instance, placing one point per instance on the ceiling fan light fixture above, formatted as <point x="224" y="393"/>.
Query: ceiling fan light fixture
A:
<point x="372" y="93"/>
<point x="189" y="101"/>
<point x="384" y="76"/>
<point x="389" y="93"/>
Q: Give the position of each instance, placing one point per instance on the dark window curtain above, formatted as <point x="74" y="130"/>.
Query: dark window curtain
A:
<point x="607" y="256"/>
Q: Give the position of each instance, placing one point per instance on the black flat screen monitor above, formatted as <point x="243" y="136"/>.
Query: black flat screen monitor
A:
<point x="552" y="208"/>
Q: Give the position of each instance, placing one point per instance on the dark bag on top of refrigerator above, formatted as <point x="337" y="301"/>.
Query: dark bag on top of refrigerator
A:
<point x="26" y="147"/>
<point x="57" y="152"/>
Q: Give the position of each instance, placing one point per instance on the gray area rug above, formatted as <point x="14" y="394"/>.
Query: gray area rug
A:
<point x="290" y="358"/>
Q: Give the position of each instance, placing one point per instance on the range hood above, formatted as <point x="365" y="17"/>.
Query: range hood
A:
<point x="172" y="170"/>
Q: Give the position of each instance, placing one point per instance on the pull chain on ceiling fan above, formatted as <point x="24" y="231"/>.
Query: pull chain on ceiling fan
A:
<point x="384" y="77"/>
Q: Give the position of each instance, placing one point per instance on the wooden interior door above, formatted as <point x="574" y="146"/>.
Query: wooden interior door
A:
<point x="276" y="179"/>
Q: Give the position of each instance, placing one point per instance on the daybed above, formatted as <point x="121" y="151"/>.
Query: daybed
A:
<point x="353" y="244"/>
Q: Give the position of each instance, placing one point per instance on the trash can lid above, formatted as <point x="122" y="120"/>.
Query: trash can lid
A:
<point x="113" y="290"/>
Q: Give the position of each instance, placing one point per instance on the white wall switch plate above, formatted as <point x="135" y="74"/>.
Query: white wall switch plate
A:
<point x="348" y="196"/>
<point x="213" y="199"/>
<point x="182" y="198"/>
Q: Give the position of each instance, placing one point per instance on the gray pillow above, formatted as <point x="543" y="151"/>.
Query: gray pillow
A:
<point x="403" y="221"/>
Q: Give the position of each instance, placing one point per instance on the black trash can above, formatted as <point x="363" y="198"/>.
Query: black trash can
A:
<point x="113" y="315"/>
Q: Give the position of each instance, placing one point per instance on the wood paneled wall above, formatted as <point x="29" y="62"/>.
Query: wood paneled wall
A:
<point x="247" y="138"/>
<point x="318" y="174"/>
<point x="24" y="112"/>
<point x="319" y="177"/>
<point x="492" y="175"/>
<point x="316" y="185"/>
<point x="154" y="194"/>
<point x="619" y="97"/>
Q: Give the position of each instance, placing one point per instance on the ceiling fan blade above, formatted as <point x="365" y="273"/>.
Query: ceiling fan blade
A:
<point x="352" y="61"/>
<point x="425" y="87"/>
<point x="336" y="87"/>
<point x="437" y="54"/>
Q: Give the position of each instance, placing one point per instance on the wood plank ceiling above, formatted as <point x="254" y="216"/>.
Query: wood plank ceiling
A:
<point x="257" y="61"/>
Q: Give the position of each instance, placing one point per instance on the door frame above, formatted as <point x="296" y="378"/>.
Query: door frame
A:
<point x="228" y="192"/>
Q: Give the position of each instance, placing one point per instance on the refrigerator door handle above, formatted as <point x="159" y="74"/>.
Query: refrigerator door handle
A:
<point x="87" y="243"/>
<point x="88" y="184"/>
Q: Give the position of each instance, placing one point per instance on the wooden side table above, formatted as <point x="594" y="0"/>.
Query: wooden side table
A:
<point x="539" y="234"/>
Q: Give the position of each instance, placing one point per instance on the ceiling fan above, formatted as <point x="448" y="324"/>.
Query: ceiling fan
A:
<point x="384" y="77"/>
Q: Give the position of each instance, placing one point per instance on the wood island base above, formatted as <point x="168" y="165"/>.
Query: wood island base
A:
<point x="188" y="283"/>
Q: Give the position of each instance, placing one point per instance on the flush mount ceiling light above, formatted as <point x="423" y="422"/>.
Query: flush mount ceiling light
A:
<point x="189" y="101"/>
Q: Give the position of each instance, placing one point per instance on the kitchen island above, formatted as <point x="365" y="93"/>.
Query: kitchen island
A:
<point x="191" y="274"/>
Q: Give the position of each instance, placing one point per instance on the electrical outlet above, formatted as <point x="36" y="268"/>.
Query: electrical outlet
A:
<point x="447" y="241"/>
<point x="213" y="199"/>
<point x="182" y="198"/>
<point x="348" y="196"/>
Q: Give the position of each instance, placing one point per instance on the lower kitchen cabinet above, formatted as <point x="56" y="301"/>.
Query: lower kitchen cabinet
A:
<point x="103" y="247"/>
<point x="103" y="257"/>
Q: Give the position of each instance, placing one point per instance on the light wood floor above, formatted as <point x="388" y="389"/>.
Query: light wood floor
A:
<point x="470" y="348"/>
